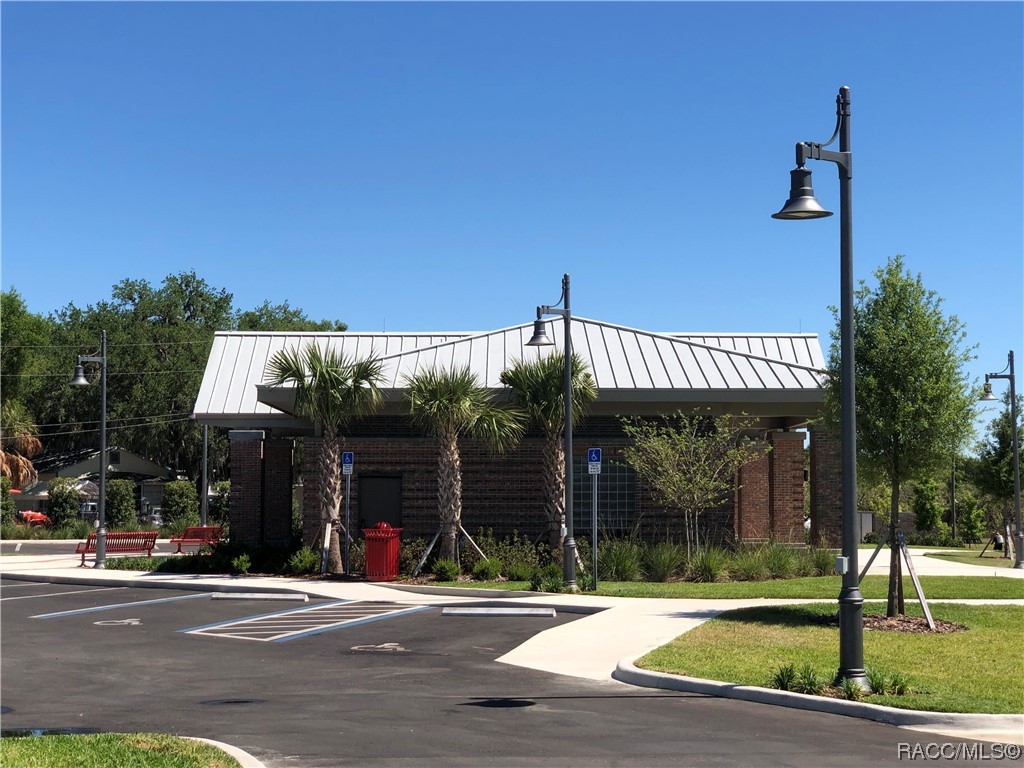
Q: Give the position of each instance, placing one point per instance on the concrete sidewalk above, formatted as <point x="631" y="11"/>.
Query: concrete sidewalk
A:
<point x="601" y="645"/>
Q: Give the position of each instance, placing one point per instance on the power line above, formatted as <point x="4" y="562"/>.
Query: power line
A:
<point x="174" y="414"/>
<point x="109" y="346"/>
<point x="109" y="373"/>
<point x="114" y="428"/>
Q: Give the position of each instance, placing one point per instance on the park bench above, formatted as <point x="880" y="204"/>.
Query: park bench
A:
<point x="199" y="535"/>
<point x="119" y="541"/>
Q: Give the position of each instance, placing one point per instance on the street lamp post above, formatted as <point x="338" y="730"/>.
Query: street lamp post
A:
<point x="81" y="381"/>
<point x="803" y="205"/>
<point x="540" y="339"/>
<point x="1007" y="373"/>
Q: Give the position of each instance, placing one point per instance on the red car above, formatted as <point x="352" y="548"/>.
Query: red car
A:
<point x="33" y="518"/>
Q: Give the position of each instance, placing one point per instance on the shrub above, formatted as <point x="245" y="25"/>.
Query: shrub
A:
<point x="180" y="502"/>
<point x="120" y="508"/>
<point x="513" y="553"/>
<point x="304" y="561"/>
<point x="78" y="529"/>
<point x="850" y="689"/>
<point x="664" y="560"/>
<point x="780" y="561"/>
<point x="784" y="678"/>
<point x="808" y="681"/>
<point x="446" y="570"/>
<point x="178" y="526"/>
<point x="899" y="685"/>
<point x="619" y="559"/>
<point x="709" y="564"/>
<point x="520" y="572"/>
<point x="356" y="556"/>
<point x="7" y="508"/>
<point x="547" y="579"/>
<point x="748" y="565"/>
<point x="877" y="681"/>
<point x="410" y="551"/>
<point x="486" y="570"/>
<point x="822" y="560"/>
<point x="241" y="564"/>
<point x="63" y="501"/>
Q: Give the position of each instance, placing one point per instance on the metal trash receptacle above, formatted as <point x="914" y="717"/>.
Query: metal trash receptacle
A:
<point x="381" y="552"/>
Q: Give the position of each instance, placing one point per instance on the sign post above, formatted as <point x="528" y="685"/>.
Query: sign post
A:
<point x="594" y="466"/>
<point x="347" y="462"/>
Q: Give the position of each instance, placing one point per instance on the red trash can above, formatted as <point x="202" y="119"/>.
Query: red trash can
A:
<point x="381" y="552"/>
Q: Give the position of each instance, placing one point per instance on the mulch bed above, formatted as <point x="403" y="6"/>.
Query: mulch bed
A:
<point x="913" y="624"/>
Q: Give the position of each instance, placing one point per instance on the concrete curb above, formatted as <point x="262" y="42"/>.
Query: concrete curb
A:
<point x="627" y="672"/>
<point x="244" y="758"/>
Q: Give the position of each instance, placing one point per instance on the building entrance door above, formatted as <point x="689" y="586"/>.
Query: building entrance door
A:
<point x="380" y="501"/>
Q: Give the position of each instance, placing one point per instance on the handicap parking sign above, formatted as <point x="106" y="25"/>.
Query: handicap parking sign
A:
<point x="347" y="460"/>
<point x="593" y="454"/>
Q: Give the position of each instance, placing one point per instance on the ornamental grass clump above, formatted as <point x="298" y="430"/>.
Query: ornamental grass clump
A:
<point x="620" y="559"/>
<point x="709" y="564"/>
<point x="748" y="564"/>
<point x="664" y="560"/>
<point x="780" y="561"/>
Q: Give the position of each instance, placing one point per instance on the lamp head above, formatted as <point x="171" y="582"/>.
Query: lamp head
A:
<point x="540" y="335"/>
<point x="79" y="380"/>
<point x="986" y="393"/>
<point x="801" y="204"/>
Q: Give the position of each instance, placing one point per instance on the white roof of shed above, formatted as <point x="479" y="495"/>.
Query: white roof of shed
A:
<point x="627" y="364"/>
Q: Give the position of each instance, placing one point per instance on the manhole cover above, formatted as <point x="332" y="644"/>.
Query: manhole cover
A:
<point x="230" y="702"/>
<point x="501" y="703"/>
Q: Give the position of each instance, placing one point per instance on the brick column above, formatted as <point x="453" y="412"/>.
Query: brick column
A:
<point x="246" y="499"/>
<point x="277" y="492"/>
<point x="753" y="501"/>
<point x="786" y="486"/>
<point x="826" y="488"/>
<point x="311" y="492"/>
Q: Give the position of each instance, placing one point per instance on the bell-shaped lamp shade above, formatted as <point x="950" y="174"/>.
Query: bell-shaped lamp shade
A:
<point x="79" y="380"/>
<point x="801" y="204"/>
<point x="540" y="335"/>
<point x="986" y="394"/>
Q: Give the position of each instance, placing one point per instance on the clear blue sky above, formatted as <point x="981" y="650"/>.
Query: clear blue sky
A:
<point x="438" y="166"/>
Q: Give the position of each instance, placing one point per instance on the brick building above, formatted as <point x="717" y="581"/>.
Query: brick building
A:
<point x="774" y="378"/>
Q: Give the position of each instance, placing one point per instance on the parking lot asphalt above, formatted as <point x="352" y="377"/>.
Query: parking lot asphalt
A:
<point x="380" y="685"/>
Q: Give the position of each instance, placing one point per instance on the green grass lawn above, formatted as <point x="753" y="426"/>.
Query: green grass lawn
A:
<point x="811" y="587"/>
<point x="990" y="559"/>
<point x="111" y="750"/>
<point x="969" y="671"/>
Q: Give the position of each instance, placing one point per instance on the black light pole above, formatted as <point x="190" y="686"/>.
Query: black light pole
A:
<point x="803" y="205"/>
<point x="81" y="381"/>
<point x="1007" y="373"/>
<point x="540" y="339"/>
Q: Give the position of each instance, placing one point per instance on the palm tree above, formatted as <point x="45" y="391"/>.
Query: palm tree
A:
<point x="449" y="404"/>
<point x="330" y="390"/>
<point x="538" y="387"/>
<point x="19" y="442"/>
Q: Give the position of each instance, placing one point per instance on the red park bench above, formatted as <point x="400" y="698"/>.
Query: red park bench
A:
<point x="119" y="541"/>
<point x="199" y="535"/>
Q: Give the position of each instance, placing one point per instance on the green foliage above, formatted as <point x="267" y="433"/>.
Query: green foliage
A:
<point x="241" y="564"/>
<point x="282" y="317"/>
<point x="809" y="681"/>
<point x="218" y="507"/>
<point x="620" y="559"/>
<point x="689" y="461"/>
<point x="548" y="579"/>
<point x="664" y="560"/>
<point x="899" y="685"/>
<point x="970" y="519"/>
<point x="748" y="565"/>
<point x="304" y="561"/>
<point x="515" y="554"/>
<point x="521" y="571"/>
<point x="927" y="507"/>
<point x="878" y="681"/>
<point x="120" y="508"/>
<point x="780" y="561"/>
<point x="993" y="472"/>
<point x="823" y="561"/>
<point x="410" y="552"/>
<point x="63" y="502"/>
<point x="709" y="564"/>
<point x="446" y="570"/>
<point x="850" y="689"/>
<point x="7" y="508"/>
<point x="784" y="678"/>
<point x="105" y="750"/>
<point x="180" y="502"/>
<point x="486" y="570"/>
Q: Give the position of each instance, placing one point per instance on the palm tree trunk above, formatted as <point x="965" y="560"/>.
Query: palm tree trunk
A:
<point x="553" y="474"/>
<point x="330" y="494"/>
<point x="449" y="495"/>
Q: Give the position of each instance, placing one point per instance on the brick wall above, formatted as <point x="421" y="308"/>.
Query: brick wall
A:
<point x="277" y="492"/>
<point x="826" y="488"/>
<point x="753" y="501"/>
<point x="786" y="482"/>
<point x="246" y="499"/>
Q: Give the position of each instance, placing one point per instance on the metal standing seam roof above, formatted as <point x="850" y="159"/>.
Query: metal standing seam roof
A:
<point x="621" y="359"/>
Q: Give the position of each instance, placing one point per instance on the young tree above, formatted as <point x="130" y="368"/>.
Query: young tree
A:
<point x="180" y="504"/>
<point x="690" y="460"/>
<point x="914" y="404"/>
<point x="63" y="501"/>
<point x="330" y="391"/>
<point x="121" y="509"/>
<point x="926" y="507"/>
<point x="993" y="472"/>
<point x="538" y="388"/>
<point x="450" y="404"/>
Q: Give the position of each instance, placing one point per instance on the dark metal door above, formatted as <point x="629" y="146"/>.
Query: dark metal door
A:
<point x="380" y="501"/>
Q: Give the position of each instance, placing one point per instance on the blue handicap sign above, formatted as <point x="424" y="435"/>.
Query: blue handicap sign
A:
<point x="347" y="457"/>
<point x="594" y="455"/>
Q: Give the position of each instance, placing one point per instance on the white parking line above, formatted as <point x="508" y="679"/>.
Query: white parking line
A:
<point x="4" y="587"/>
<point x="116" y="605"/>
<point x="58" y="594"/>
